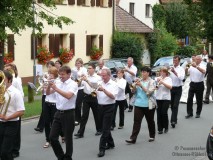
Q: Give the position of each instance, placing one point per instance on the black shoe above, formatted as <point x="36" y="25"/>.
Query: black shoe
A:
<point x="101" y="153"/>
<point x="188" y="116"/>
<point x="151" y="139"/>
<point x="111" y="128"/>
<point x="131" y="141"/>
<point x="166" y="131"/>
<point x="197" y="116"/>
<point x="76" y="123"/>
<point x="38" y="129"/>
<point x="78" y="135"/>
<point x="109" y="147"/>
<point x="173" y="124"/>
<point x="15" y="155"/>
<point x="160" y="132"/>
<point x="120" y="127"/>
<point x="98" y="133"/>
<point x="206" y="101"/>
<point x="130" y="110"/>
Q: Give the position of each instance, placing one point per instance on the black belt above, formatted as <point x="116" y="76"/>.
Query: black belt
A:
<point x="50" y="103"/>
<point x="106" y="105"/>
<point x="197" y="82"/>
<point x="176" y="87"/>
<point x="65" y="111"/>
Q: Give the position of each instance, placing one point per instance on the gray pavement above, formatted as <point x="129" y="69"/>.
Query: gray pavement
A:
<point x="185" y="142"/>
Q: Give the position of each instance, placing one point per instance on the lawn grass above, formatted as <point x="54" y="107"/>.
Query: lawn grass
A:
<point x="25" y="90"/>
<point x="32" y="109"/>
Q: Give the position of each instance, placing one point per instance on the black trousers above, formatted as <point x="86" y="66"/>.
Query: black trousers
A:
<point x="209" y="86"/>
<point x="176" y="93"/>
<point x="17" y="141"/>
<point x="49" y="112"/>
<point x="8" y="131"/>
<point x="89" y="102"/>
<point x="139" y="113"/>
<point x="162" y="114"/>
<point x="41" y="118"/>
<point x="197" y="90"/>
<point x="78" y="106"/>
<point x="63" y="121"/>
<point x="106" y="114"/>
<point x="122" y="105"/>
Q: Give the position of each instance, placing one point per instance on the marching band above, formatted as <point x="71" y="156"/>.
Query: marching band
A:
<point x="68" y="94"/>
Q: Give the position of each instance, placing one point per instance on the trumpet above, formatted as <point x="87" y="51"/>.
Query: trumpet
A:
<point x="43" y="82"/>
<point x="189" y="65"/>
<point x="93" y="93"/>
<point x="79" y="80"/>
<point x="133" y="85"/>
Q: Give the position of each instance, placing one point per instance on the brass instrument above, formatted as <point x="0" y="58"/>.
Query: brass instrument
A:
<point x="43" y="82"/>
<point x="3" y="108"/>
<point x="93" y="93"/>
<point x="133" y="85"/>
<point x="188" y="65"/>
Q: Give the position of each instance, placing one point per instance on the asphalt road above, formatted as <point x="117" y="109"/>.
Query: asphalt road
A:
<point x="186" y="142"/>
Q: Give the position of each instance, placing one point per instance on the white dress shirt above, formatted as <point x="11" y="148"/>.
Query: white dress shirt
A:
<point x="162" y="92"/>
<point x="195" y="74"/>
<point x="111" y="87"/>
<point x="52" y="97"/>
<point x="81" y="71"/>
<point x="129" y="78"/>
<point x="177" y="81"/>
<point x="121" y="89"/>
<point x="16" y="83"/>
<point x="63" y="103"/>
<point x="93" y="80"/>
<point x="16" y="102"/>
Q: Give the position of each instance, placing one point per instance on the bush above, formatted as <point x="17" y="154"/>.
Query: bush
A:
<point x="127" y="45"/>
<point x="186" y="51"/>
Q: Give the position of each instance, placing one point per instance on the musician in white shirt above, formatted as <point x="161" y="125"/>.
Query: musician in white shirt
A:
<point x="81" y="71"/>
<point x="177" y="74"/>
<point x="106" y="95"/>
<point x="130" y="75"/>
<point x="9" y="125"/>
<point x="196" y="72"/>
<point x="120" y="99"/>
<point x="64" y="119"/>
<point x="90" y="83"/>
<point x="100" y="66"/>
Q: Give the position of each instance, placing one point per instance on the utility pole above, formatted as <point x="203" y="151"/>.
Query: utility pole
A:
<point x="34" y="47"/>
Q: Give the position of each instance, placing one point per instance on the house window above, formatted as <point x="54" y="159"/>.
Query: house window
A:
<point x="132" y="8"/>
<point x="104" y="3"/>
<point x="148" y="10"/>
<point x="8" y="45"/>
<point x="86" y="3"/>
<point x="93" y="40"/>
<point x="40" y="41"/>
<point x="57" y="41"/>
<point x="60" y="1"/>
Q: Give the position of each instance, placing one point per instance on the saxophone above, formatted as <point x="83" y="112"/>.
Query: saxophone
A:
<point x="3" y="108"/>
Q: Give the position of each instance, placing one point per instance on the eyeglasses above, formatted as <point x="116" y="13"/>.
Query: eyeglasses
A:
<point x="89" y="68"/>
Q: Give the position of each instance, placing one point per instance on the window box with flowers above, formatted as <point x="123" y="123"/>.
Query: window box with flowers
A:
<point x="96" y="53"/>
<point x="43" y="55"/>
<point x="8" y="58"/>
<point x="65" y="55"/>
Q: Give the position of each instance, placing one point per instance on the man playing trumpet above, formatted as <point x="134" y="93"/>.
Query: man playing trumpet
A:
<point x="90" y="101"/>
<point x="11" y="109"/>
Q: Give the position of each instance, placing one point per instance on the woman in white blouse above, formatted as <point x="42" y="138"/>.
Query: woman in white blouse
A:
<point x="120" y="99"/>
<point x="163" y="97"/>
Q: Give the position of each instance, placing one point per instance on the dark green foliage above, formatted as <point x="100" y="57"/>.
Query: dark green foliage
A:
<point x="159" y="14"/>
<point x="186" y="51"/>
<point x="127" y="45"/>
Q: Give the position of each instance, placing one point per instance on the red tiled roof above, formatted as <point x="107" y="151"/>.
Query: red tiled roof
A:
<point x="125" y="22"/>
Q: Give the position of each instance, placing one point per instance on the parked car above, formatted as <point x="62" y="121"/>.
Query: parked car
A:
<point x="165" y="61"/>
<point x="112" y="64"/>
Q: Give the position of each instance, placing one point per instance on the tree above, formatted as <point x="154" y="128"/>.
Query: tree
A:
<point x="19" y="15"/>
<point x="159" y="14"/>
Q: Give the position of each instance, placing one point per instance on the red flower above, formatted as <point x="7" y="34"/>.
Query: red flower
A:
<point x="8" y="58"/>
<point x="65" y="55"/>
<point x="96" y="53"/>
<point x="43" y="55"/>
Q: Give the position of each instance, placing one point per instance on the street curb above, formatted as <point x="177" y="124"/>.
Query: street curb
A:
<point x="30" y="118"/>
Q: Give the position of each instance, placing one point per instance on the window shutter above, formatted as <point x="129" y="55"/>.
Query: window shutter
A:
<point x="101" y="3"/>
<point x="79" y="2"/>
<point x="39" y="1"/>
<point x="89" y="45"/>
<point x="98" y="3"/>
<point x="32" y="46"/>
<point x="92" y="3"/>
<point x="72" y="42"/>
<point x="110" y="3"/>
<point x="51" y="43"/>
<point x="101" y="42"/>
<point x="56" y="45"/>
<point x="1" y="47"/>
<point x="71" y="2"/>
<point x="10" y="44"/>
